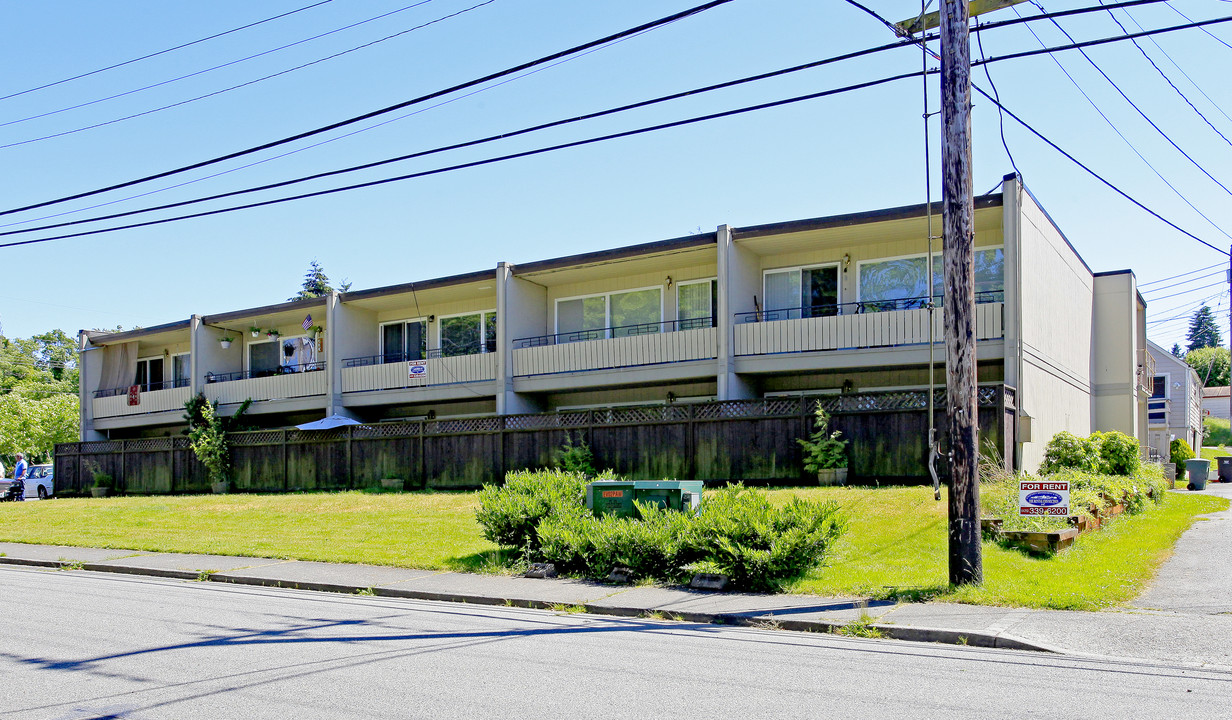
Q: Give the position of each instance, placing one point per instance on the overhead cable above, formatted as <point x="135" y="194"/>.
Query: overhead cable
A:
<point x="1184" y="274"/>
<point x="358" y="118"/>
<point x="163" y="52"/>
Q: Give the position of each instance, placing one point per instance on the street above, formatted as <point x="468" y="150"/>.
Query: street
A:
<point x="123" y="646"/>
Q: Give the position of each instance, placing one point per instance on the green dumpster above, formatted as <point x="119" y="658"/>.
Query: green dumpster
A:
<point x="683" y="495"/>
<point x="610" y="497"/>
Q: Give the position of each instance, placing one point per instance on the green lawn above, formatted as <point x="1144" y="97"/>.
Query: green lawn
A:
<point x="1210" y="453"/>
<point x="895" y="544"/>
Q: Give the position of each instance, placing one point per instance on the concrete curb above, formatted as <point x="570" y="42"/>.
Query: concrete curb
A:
<point x="769" y="620"/>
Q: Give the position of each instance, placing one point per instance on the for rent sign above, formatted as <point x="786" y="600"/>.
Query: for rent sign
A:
<point x="1043" y="497"/>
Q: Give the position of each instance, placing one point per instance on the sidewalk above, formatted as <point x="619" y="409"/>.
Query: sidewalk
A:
<point x="1185" y="616"/>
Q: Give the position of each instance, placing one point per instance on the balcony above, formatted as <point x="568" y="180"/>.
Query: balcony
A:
<point x="151" y="398"/>
<point x="393" y="371"/>
<point x="290" y="381"/>
<point x="846" y="326"/>
<point x="1146" y="372"/>
<point x="617" y="347"/>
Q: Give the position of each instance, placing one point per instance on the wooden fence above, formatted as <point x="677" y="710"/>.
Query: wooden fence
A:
<point x="747" y="440"/>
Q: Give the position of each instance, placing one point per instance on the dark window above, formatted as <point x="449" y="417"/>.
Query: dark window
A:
<point x="1160" y="387"/>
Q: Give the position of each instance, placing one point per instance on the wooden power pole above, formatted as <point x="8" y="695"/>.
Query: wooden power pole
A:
<point x="958" y="221"/>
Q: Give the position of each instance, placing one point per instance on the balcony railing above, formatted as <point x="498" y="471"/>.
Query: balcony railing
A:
<point x="167" y="396"/>
<point x="869" y="324"/>
<point x="616" y="347"/>
<point x="399" y="357"/>
<point x="382" y="372"/>
<point x="289" y="381"/>
<point x="145" y="387"/>
<point x="1146" y="371"/>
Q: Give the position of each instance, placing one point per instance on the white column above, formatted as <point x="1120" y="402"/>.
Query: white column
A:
<point x="739" y="283"/>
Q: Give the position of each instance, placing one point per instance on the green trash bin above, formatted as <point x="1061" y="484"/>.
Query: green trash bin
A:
<point x="610" y="497"/>
<point x="685" y="495"/>
<point x="1198" y="469"/>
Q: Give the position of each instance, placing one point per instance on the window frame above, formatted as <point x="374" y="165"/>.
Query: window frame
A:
<point x="187" y="380"/>
<point x="380" y="335"/>
<point x="713" y="297"/>
<point x="836" y="264"/>
<point x="145" y="387"/>
<point x="937" y="262"/>
<point x="607" y="308"/>
<point x="249" y="345"/>
<point x="483" y="324"/>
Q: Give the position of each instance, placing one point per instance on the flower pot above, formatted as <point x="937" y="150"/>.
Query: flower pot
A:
<point x="255" y="333"/>
<point x="391" y="483"/>
<point x="219" y="488"/>
<point x="832" y="476"/>
<point x="225" y="344"/>
<point x="99" y="491"/>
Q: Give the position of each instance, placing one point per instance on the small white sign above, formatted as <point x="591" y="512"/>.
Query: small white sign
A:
<point x="1043" y="497"/>
<point x="417" y="370"/>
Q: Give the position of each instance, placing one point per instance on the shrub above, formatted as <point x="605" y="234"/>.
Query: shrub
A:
<point x="510" y="513"/>
<point x="1066" y="450"/>
<point x="823" y="450"/>
<point x="1119" y="454"/>
<point x="1181" y="452"/>
<point x="575" y="458"/>
<point x="653" y="546"/>
<point x="760" y="547"/>
<point x="209" y="444"/>
<point x="1089" y="493"/>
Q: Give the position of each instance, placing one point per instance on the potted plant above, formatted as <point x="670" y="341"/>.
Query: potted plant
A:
<point x="254" y="331"/>
<point x="225" y="341"/>
<point x="272" y="334"/>
<point x="102" y="485"/>
<point x="316" y="331"/>
<point x="824" y="453"/>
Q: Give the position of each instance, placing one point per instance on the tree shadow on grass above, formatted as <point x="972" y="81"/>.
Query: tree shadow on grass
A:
<point x="492" y="562"/>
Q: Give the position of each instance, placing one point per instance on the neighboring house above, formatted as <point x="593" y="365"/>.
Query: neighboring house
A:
<point x="1175" y="407"/>
<point x="1215" y="402"/>
<point x="809" y="307"/>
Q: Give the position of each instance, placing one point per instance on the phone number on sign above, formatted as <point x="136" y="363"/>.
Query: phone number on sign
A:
<point x="1043" y="511"/>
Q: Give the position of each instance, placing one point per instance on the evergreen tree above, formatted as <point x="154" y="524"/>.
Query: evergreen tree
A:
<point x="1203" y="332"/>
<point x="1176" y="350"/>
<point x="316" y="284"/>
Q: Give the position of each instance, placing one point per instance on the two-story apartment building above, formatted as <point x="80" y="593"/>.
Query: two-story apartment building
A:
<point x="831" y="305"/>
<point x="1174" y="409"/>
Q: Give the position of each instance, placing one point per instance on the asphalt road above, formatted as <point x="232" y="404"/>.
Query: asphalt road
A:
<point x="114" y="646"/>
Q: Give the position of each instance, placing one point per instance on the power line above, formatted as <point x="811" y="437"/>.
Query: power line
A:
<point x="1168" y="79"/>
<point x="1177" y="65"/>
<point x="506" y="135"/>
<point x="1208" y="32"/>
<point x="1134" y="105"/>
<point x="1174" y="277"/>
<point x="486" y="161"/>
<point x="480" y="141"/>
<point x="1186" y="292"/>
<point x="358" y="118"/>
<point x="163" y="52"/>
<point x="1096" y="175"/>
<point x="1185" y="282"/>
<point x="233" y="87"/>
<point x="1117" y="130"/>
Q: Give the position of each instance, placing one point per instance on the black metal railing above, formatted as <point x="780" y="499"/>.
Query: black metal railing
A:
<point x="433" y="354"/>
<point x="213" y="377"/>
<point x="856" y="308"/>
<point x="614" y="332"/>
<point x="145" y="387"/>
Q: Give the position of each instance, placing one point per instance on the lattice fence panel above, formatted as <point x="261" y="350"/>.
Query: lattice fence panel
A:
<point x="148" y="444"/>
<point x="101" y="446"/>
<point x="381" y="430"/>
<point x="462" y="425"/>
<point x="259" y="437"/>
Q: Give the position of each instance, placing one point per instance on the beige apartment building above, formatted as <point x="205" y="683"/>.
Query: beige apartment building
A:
<point x="826" y="306"/>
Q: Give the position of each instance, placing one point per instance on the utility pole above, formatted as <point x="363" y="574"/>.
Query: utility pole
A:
<point x="1229" y="332"/>
<point x="958" y="221"/>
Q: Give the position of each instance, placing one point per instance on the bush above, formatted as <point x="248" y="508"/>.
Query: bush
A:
<point x="1181" y="452"/>
<point x="510" y="513"/>
<point x="738" y="533"/>
<point x="1089" y="493"/>
<point x="823" y="450"/>
<point x="1119" y="454"/>
<point x="760" y="547"/>
<point x="1066" y="450"/>
<point x="575" y="458"/>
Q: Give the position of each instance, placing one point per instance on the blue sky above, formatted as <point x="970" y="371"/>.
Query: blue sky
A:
<point x="858" y="151"/>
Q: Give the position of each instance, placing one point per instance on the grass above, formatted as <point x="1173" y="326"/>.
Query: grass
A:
<point x="433" y="531"/>
<point x="1210" y="453"/>
<point x="1217" y="431"/>
<point x="895" y="546"/>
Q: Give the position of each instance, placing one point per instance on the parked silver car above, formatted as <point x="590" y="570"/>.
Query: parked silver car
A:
<point x="40" y="482"/>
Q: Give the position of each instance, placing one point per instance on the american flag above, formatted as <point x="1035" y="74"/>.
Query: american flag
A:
<point x="307" y="322"/>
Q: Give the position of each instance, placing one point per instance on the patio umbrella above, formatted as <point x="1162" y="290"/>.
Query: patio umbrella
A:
<point x="329" y="423"/>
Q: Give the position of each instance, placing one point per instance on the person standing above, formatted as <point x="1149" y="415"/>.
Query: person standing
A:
<point x="19" y="470"/>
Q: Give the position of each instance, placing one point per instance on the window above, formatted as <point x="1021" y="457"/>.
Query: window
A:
<point x="282" y="355"/>
<point x="794" y="293"/>
<point x="1160" y="387"/>
<point x="468" y="334"/>
<point x="149" y="374"/>
<point x="181" y="369"/>
<point x="902" y="283"/>
<point x="697" y="304"/>
<point x="618" y="314"/>
<point x="404" y="340"/>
